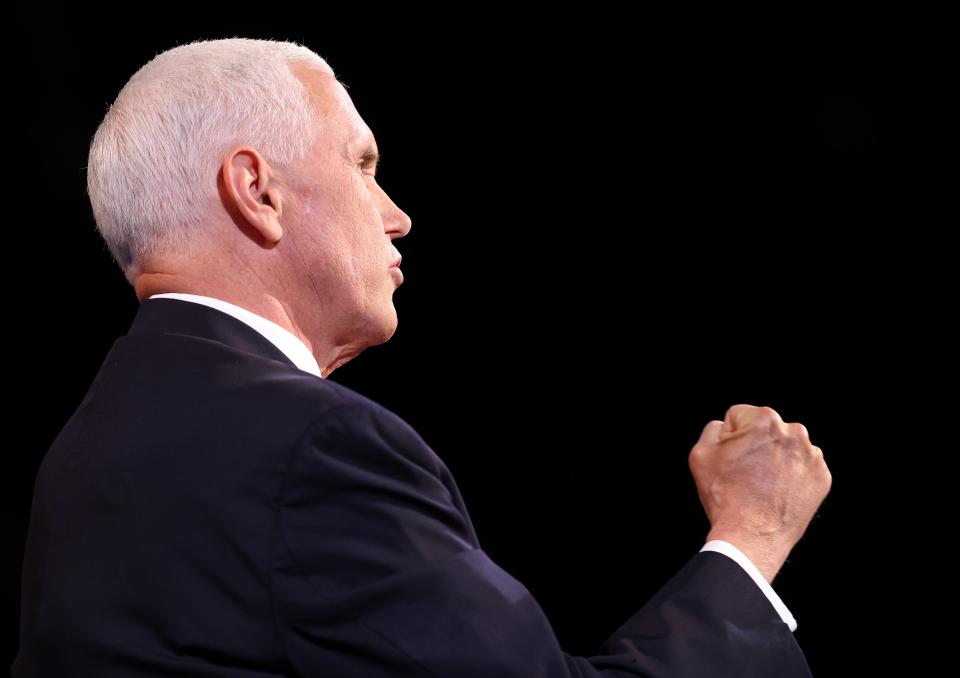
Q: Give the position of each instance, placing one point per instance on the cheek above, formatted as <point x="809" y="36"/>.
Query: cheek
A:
<point x="347" y="238"/>
<point x="363" y="228"/>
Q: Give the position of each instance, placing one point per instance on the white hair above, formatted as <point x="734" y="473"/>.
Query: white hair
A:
<point x="154" y="159"/>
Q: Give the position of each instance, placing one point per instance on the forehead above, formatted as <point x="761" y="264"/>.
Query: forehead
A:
<point x="341" y="122"/>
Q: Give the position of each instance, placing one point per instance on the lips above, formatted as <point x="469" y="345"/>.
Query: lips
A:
<point x="395" y="270"/>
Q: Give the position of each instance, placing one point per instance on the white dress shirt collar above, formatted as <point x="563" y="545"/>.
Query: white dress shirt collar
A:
<point x="285" y="340"/>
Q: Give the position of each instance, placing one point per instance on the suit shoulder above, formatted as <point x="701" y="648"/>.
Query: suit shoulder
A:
<point x="354" y="425"/>
<point x="333" y="395"/>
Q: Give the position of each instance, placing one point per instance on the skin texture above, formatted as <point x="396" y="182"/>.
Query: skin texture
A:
<point x="310" y="248"/>
<point x="760" y="481"/>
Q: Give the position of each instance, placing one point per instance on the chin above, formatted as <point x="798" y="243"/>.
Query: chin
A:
<point x="385" y="328"/>
<point x="391" y="328"/>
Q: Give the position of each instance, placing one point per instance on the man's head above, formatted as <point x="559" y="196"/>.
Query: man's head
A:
<point x="240" y="169"/>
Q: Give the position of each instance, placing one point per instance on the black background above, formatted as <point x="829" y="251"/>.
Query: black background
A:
<point x="621" y="227"/>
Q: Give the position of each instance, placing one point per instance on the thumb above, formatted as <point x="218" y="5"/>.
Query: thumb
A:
<point x="711" y="433"/>
<point x="738" y="417"/>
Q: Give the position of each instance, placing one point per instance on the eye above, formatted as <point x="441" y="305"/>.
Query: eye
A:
<point x="371" y="160"/>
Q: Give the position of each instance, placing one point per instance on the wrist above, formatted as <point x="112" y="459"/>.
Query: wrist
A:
<point x="768" y="555"/>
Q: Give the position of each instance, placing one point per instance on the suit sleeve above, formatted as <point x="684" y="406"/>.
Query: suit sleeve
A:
<point x="741" y="558"/>
<point x="378" y="573"/>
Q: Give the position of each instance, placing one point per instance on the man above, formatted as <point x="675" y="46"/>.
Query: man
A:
<point x="217" y="507"/>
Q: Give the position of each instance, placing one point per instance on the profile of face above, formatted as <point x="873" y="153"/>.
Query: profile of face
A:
<point x="340" y="224"/>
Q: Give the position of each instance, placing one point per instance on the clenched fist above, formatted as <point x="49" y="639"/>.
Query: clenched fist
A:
<point x="760" y="482"/>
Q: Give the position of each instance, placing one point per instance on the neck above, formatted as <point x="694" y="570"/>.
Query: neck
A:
<point x="328" y="353"/>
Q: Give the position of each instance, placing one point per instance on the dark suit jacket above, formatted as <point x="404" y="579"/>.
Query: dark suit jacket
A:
<point x="211" y="510"/>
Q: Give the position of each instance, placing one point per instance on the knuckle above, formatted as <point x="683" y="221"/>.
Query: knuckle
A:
<point x="773" y="427"/>
<point x="768" y="413"/>
<point x="777" y="435"/>
<point x="799" y="430"/>
<point x="769" y="418"/>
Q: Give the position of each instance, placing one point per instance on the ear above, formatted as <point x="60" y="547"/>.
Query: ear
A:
<point x="249" y="183"/>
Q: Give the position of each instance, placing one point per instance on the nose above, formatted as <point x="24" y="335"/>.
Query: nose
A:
<point x="400" y="225"/>
<point x="395" y="220"/>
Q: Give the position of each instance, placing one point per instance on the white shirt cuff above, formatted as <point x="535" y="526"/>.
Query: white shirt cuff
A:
<point x="732" y="551"/>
